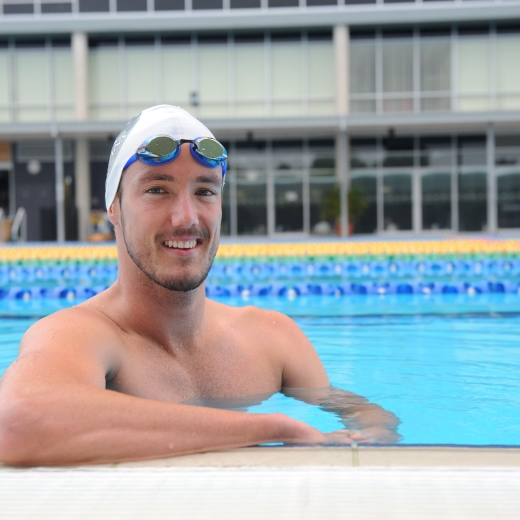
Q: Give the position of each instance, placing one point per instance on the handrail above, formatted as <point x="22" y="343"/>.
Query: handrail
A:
<point x="19" y="227"/>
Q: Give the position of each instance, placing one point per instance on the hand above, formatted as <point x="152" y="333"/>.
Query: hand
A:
<point x="372" y="435"/>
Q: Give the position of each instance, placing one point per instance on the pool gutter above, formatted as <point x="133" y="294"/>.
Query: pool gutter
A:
<point x="365" y="456"/>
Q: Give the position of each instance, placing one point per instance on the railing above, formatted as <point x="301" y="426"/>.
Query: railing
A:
<point x="19" y="227"/>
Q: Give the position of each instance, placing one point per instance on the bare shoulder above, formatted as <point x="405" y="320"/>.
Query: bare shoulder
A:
<point x="269" y="325"/>
<point x="75" y="326"/>
<point x="75" y="344"/>
<point x="279" y="337"/>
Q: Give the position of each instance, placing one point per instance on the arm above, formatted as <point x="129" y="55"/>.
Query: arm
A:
<point x="305" y="379"/>
<point x="371" y="422"/>
<point x="54" y="408"/>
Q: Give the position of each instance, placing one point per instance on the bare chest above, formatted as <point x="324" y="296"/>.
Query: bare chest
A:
<point x="220" y="368"/>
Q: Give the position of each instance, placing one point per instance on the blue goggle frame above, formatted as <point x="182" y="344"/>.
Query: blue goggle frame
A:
<point x="162" y="149"/>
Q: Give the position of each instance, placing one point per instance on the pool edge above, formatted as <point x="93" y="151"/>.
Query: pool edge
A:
<point x="362" y="456"/>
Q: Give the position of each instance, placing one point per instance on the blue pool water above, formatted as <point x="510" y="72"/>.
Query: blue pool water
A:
<point x="447" y="365"/>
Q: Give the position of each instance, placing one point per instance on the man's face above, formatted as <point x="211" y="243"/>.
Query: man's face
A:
<point x="169" y="218"/>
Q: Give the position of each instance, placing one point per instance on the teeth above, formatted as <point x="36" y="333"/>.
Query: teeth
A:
<point x="189" y="244"/>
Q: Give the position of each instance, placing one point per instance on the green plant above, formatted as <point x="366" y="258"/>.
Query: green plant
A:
<point x="331" y="207"/>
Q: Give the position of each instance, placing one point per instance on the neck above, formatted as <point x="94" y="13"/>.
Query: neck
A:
<point x="173" y="319"/>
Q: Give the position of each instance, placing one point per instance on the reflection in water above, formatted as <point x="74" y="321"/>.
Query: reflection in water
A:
<point x="237" y="404"/>
<point x="352" y="412"/>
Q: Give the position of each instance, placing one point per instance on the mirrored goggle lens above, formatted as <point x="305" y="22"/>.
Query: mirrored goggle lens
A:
<point x="161" y="146"/>
<point x="211" y="149"/>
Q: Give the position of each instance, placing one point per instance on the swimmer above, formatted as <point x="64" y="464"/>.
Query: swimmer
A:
<point x="111" y="379"/>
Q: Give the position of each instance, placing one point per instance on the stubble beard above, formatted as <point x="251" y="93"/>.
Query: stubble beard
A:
<point x="185" y="284"/>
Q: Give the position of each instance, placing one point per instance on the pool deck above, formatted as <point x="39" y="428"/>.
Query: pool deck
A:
<point x="390" y="482"/>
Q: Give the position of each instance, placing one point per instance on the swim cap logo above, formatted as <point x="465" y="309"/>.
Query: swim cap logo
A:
<point x="118" y="143"/>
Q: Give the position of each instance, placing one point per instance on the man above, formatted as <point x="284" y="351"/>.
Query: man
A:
<point x="106" y="380"/>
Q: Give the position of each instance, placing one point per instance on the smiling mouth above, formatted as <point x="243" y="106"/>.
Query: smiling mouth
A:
<point x="179" y="244"/>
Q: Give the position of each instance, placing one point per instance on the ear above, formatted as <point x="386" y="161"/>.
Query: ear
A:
<point x="114" y="212"/>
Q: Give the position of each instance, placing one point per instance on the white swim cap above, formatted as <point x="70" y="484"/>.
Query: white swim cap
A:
<point x="158" y="120"/>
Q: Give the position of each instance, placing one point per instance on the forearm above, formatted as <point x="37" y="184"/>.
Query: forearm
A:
<point x="73" y="424"/>
<point x="362" y="416"/>
<point x="355" y="411"/>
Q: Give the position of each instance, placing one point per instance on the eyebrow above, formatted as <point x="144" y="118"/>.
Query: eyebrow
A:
<point x="157" y="177"/>
<point x="203" y="179"/>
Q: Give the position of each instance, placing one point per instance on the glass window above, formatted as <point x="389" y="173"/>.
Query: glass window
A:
<point x="324" y="204"/>
<point x="288" y="155"/>
<point x="398" y="75"/>
<point x="56" y="7"/>
<point x="176" y="70"/>
<point x="364" y="153"/>
<point x="287" y="78"/>
<point x="288" y="195"/>
<point x="284" y="3"/>
<point x="472" y="151"/>
<point x="250" y="79"/>
<point x="508" y="191"/>
<point x="131" y="5"/>
<point x="472" y="200"/>
<point x="436" y="200"/>
<point x="251" y="202"/>
<point x="362" y="76"/>
<point x="140" y="78"/>
<point x="32" y="92"/>
<point x="63" y="84"/>
<point x="398" y="152"/>
<point x="473" y="62"/>
<point x="225" y="226"/>
<point x="507" y="150"/>
<point x="169" y="5"/>
<point x="321" y="159"/>
<point x="214" y="80"/>
<point x="365" y="185"/>
<point x="94" y="6"/>
<point x="508" y="72"/>
<point x="397" y="201"/>
<point x="435" y="75"/>
<point x="321" y="78"/>
<point x="436" y="151"/>
<point x="206" y="4"/>
<point x="21" y="8"/>
<point x="5" y="100"/>
<point x="245" y="4"/>
<point x="249" y="156"/>
<point x="104" y="84"/>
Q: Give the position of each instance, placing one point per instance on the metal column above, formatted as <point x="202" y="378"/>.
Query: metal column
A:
<point x="60" y="192"/>
<point x="341" y="58"/>
<point x="83" y="197"/>
<point x="342" y="174"/>
<point x="491" y="179"/>
<point x="82" y="163"/>
<point x="80" y="57"/>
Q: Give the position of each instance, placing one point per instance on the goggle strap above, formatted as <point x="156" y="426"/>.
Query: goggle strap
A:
<point x="130" y="161"/>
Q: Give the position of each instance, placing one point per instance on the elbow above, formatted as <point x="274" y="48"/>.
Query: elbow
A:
<point x="20" y="433"/>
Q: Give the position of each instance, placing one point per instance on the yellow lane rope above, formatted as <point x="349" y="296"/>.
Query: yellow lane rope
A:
<point x="280" y="249"/>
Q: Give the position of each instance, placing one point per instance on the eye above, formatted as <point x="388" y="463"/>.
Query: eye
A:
<point x="155" y="189"/>
<point x="206" y="192"/>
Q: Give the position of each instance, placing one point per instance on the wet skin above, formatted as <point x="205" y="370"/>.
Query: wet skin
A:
<point x="112" y="371"/>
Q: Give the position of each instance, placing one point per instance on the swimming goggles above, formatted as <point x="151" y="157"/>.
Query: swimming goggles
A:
<point x="162" y="149"/>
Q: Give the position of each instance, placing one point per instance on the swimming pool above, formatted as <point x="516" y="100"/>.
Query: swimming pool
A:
<point x="448" y="365"/>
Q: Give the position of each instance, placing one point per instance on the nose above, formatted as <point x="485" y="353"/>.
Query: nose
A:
<point x="184" y="211"/>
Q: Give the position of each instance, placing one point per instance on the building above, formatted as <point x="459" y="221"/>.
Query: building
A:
<point x="416" y="104"/>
